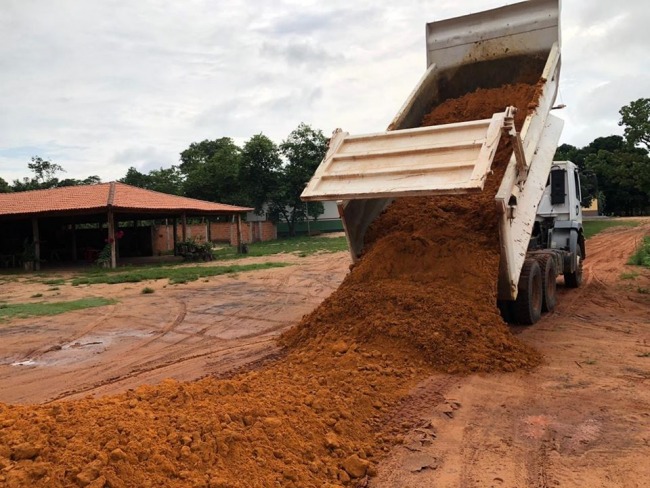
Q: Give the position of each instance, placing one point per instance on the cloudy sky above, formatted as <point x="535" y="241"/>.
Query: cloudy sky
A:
<point x="98" y="86"/>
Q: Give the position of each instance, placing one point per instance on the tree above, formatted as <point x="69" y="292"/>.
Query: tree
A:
<point x="635" y="117"/>
<point x="44" y="177"/>
<point x="166" y="180"/>
<point x="134" y="178"/>
<point x="624" y="179"/>
<point x="4" y="186"/>
<point x="211" y="170"/>
<point x="90" y="180"/>
<point x="44" y="170"/>
<point x="260" y="171"/>
<point x="304" y="149"/>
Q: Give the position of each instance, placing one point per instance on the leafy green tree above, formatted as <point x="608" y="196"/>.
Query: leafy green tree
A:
<point x="261" y="171"/>
<point x="202" y="152"/>
<point x="44" y="170"/>
<point x="4" y="186"/>
<point x="44" y="175"/>
<point x="90" y="180"/>
<point x="211" y="171"/>
<point x="134" y="177"/>
<point x="635" y="118"/>
<point x="303" y="150"/>
<point x="624" y="179"/>
<point x="166" y="180"/>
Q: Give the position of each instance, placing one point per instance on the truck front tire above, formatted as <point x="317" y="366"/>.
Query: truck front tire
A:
<point x="528" y="306"/>
<point x="574" y="280"/>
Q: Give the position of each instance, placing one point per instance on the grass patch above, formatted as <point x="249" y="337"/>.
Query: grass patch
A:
<point x="643" y="355"/>
<point x="147" y="290"/>
<point x="54" y="288"/>
<point x="24" y="310"/>
<point x="629" y="276"/>
<point x="54" y="282"/>
<point x="304" y="245"/>
<point x="180" y="274"/>
<point x="593" y="227"/>
<point x="37" y="295"/>
<point x="641" y="256"/>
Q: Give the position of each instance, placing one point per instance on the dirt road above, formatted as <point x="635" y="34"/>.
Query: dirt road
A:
<point x="182" y="332"/>
<point x="580" y="420"/>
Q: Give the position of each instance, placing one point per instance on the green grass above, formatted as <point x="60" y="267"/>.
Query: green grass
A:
<point x="24" y="310"/>
<point x="303" y="245"/>
<point x="641" y="256"/>
<point x="179" y="274"/>
<point x="593" y="227"/>
<point x="54" y="282"/>
<point x="629" y="276"/>
<point x="147" y="290"/>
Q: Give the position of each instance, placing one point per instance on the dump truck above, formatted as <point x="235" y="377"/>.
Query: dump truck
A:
<point x="538" y="201"/>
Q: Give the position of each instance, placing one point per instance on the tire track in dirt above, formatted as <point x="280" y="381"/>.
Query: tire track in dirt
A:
<point x="154" y="367"/>
<point x="109" y="312"/>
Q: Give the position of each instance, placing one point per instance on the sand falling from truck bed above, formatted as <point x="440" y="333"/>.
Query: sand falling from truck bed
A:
<point x="422" y="299"/>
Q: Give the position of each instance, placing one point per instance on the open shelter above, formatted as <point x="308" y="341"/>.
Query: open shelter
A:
<point x="79" y="222"/>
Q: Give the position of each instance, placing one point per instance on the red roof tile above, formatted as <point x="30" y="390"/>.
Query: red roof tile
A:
<point x="97" y="198"/>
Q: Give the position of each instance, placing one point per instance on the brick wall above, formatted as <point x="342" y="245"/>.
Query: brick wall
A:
<point x="163" y="235"/>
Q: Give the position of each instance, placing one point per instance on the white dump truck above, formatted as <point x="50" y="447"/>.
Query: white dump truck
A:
<point x="538" y="200"/>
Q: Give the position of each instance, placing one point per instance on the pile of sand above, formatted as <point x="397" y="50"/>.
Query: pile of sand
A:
<point x="429" y="272"/>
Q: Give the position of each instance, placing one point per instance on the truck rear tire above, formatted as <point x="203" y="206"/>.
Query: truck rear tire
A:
<point x="574" y="280"/>
<point x="549" y="281"/>
<point x="528" y="306"/>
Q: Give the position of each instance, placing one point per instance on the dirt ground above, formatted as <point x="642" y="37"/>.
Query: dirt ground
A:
<point x="179" y="331"/>
<point x="581" y="419"/>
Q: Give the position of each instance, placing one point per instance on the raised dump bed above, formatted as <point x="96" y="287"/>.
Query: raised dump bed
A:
<point x="518" y="43"/>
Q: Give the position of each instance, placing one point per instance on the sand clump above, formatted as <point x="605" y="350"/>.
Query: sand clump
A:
<point x="421" y="299"/>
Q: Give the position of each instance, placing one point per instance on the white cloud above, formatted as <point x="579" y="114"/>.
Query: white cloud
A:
<point x="101" y="86"/>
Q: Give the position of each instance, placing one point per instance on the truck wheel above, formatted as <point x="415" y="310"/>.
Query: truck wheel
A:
<point x="574" y="280"/>
<point x="549" y="281"/>
<point x="528" y="306"/>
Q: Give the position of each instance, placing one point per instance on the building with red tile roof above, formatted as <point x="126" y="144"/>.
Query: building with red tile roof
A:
<point x="101" y="198"/>
<point x="56" y="218"/>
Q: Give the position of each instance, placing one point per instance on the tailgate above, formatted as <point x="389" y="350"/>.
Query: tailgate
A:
<point x="441" y="159"/>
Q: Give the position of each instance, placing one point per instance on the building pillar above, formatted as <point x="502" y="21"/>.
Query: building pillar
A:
<point x="174" y="232"/>
<point x="239" y="236"/>
<point x="37" y="244"/>
<point x="184" y="226"/>
<point x="111" y="238"/>
<point x="74" y="242"/>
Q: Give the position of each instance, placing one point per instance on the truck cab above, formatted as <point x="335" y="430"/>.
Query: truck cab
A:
<point x="558" y="223"/>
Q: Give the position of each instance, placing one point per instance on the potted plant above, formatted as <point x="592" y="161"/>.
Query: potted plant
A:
<point x="29" y="255"/>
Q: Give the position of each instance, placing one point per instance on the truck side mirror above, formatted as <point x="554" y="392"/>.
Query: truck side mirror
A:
<point x="558" y="186"/>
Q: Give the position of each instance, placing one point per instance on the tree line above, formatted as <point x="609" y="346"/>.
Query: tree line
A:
<point x="616" y="169"/>
<point x="270" y="177"/>
<point x="261" y="174"/>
